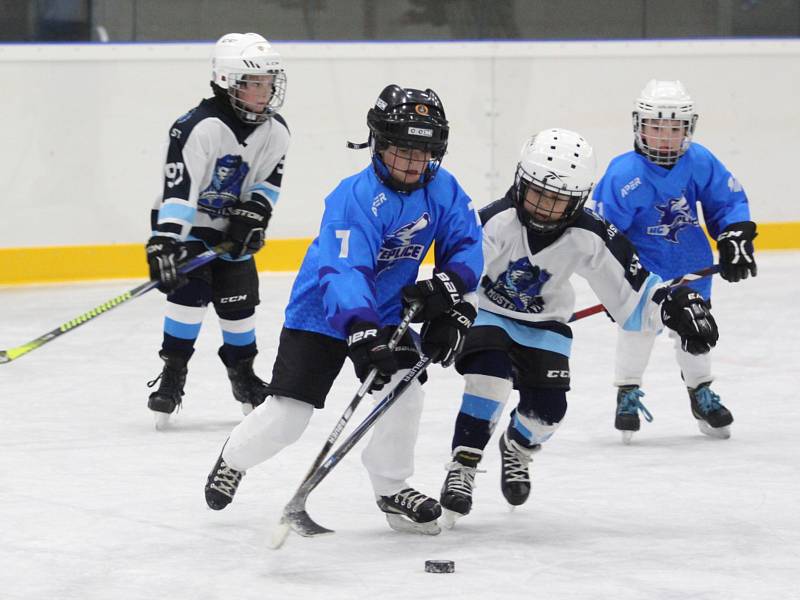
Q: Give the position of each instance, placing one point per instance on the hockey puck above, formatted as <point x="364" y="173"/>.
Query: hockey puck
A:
<point x="440" y="566"/>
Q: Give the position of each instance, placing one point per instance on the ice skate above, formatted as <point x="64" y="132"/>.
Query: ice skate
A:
<point x="456" y="496"/>
<point x="713" y="419"/>
<point x="222" y="483"/>
<point x="168" y="397"/>
<point x="515" y="481"/>
<point x="248" y="388"/>
<point x="628" y="407"/>
<point x="411" y="511"/>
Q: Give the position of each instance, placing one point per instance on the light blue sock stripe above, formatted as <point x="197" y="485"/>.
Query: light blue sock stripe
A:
<point x="522" y="429"/>
<point x="184" y="331"/>
<point x="239" y="339"/>
<point x="527" y="336"/>
<point x="481" y="408"/>
<point x="634" y="322"/>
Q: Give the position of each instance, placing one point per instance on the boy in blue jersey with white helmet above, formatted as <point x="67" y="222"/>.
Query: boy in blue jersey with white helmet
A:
<point x="651" y="195"/>
<point x="349" y="296"/>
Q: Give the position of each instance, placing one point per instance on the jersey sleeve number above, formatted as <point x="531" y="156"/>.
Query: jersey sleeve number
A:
<point x="174" y="173"/>
<point x="344" y="235"/>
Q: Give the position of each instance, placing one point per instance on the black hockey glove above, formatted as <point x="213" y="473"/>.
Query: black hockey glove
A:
<point x="368" y="347"/>
<point x="163" y="256"/>
<point x="248" y="226"/>
<point x="685" y="311"/>
<point x="735" y="246"/>
<point x="437" y="295"/>
<point x="443" y="338"/>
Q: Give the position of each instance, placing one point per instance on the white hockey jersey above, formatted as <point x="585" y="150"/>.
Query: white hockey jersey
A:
<point x="214" y="161"/>
<point x="526" y="289"/>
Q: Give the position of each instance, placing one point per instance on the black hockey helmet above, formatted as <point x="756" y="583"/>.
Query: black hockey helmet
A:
<point x="408" y="118"/>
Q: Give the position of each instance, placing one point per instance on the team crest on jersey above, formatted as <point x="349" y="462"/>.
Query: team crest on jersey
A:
<point x="675" y="215"/>
<point x="399" y="245"/>
<point x="225" y="187"/>
<point x="519" y="288"/>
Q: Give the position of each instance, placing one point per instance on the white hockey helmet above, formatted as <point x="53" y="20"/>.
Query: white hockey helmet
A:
<point x="560" y="165"/>
<point x="240" y="63"/>
<point x="668" y="111"/>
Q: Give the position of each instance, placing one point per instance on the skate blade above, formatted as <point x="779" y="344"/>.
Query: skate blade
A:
<point x="161" y="420"/>
<point x="627" y="437"/>
<point x="449" y="518"/>
<point x="721" y="433"/>
<point x="405" y="525"/>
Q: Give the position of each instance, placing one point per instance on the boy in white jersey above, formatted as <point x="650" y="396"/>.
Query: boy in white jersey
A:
<point x="222" y="177"/>
<point x="534" y="239"/>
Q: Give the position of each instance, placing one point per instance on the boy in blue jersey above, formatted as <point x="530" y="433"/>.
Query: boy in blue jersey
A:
<point x="348" y="299"/>
<point x="222" y="177"/>
<point x="534" y="240"/>
<point x="651" y="195"/>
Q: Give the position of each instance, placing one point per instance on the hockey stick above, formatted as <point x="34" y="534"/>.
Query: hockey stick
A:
<point x="7" y="356"/>
<point x="295" y="515"/>
<point x="701" y="274"/>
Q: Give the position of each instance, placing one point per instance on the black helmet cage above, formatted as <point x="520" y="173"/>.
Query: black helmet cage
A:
<point x="408" y="118"/>
<point x="523" y="181"/>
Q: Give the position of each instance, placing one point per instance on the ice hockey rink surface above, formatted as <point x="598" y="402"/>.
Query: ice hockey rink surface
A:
<point x="95" y="504"/>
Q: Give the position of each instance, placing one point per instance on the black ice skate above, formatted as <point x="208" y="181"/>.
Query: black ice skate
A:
<point x="515" y="481"/>
<point x="167" y="398"/>
<point x="247" y="387"/>
<point x="411" y="511"/>
<point x="713" y="419"/>
<point x="628" y="407"/>
<point x="223" y="481"/>
<point x="456" y="496"/>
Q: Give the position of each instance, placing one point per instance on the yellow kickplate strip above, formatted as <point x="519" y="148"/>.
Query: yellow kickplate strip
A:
<point x="127" y="261"/>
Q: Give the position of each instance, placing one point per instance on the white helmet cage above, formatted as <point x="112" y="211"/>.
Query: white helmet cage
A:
<point x="242" y="63"/>
<point x="560" y="165"/>
<point x="667" y="110"/>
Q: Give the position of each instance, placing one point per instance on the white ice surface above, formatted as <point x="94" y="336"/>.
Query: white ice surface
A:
<point x="95" y="504"/>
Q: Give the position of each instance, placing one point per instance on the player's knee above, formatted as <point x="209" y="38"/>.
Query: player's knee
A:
<point x="540" y="413"/>
<point x="293" y="417"/>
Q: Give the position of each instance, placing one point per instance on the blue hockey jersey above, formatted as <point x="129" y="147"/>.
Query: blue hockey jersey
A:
<point x="656" y="208"/>
<point x="370" y="245"/>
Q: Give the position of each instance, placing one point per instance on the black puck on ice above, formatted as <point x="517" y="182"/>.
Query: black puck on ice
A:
<point x="440" y="566"/>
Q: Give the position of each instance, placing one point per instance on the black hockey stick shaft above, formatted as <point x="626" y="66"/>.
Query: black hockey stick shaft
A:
<point x="689" y="277"/>
<point x="362" y="391"/>
<point x="295" y="511"/>
<point x="7" y="356"/>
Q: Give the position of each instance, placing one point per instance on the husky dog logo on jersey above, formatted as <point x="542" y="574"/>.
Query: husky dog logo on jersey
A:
<point x="398" y="245"/>
<point x="225" y="187"/>
<point x="519" y="287"/>
<point x="675" y="215"/>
